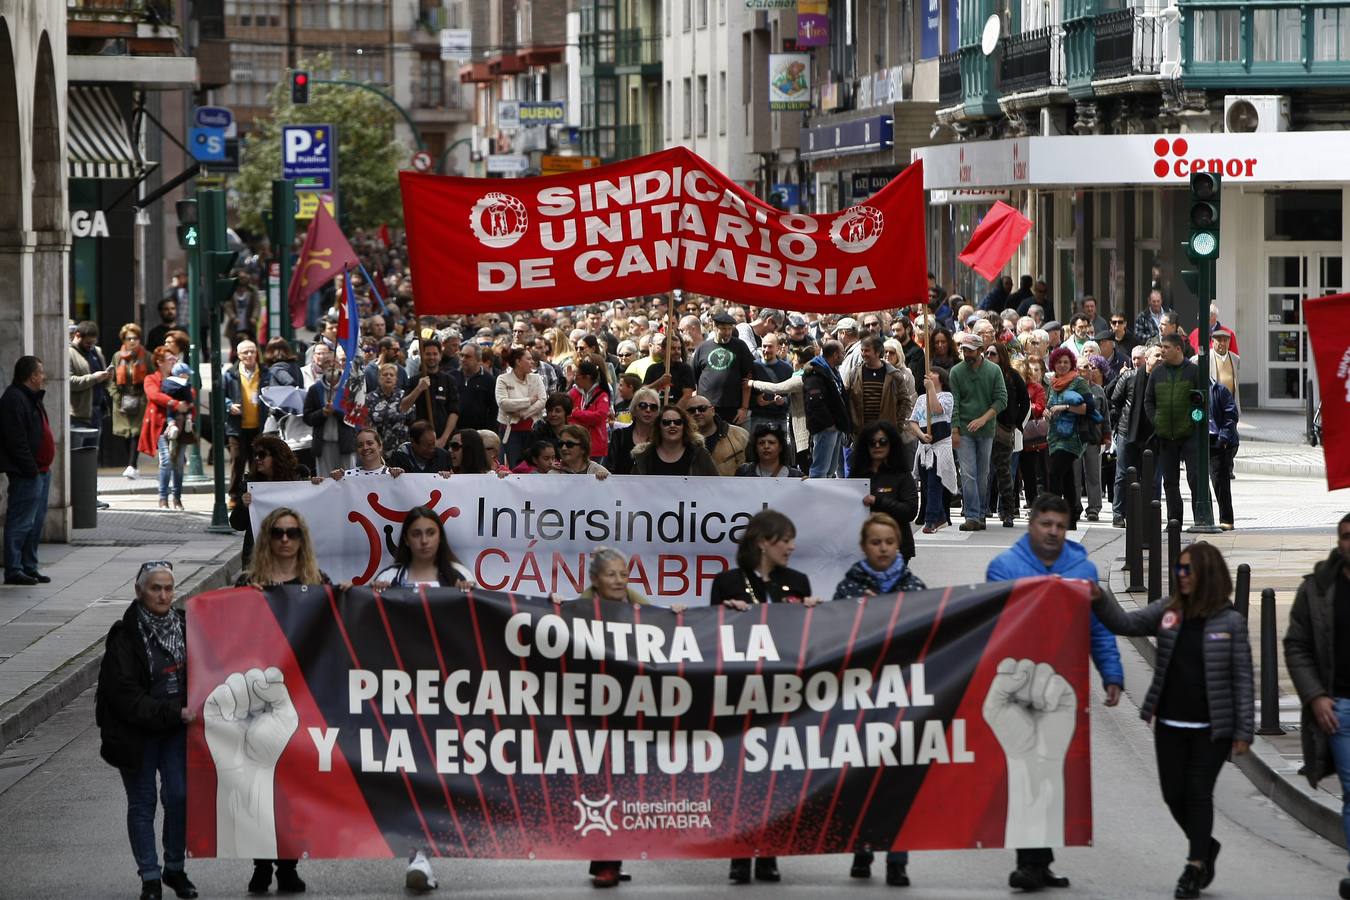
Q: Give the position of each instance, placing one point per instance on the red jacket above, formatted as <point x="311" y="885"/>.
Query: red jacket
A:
<point x="594" y="418"/>
<point x="156" y="414"/>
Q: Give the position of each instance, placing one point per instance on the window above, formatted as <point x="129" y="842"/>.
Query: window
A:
<point x="702" y="13"/>
<point x="1277" y="35"/>
<point x="1217" y="35"/>
<point x="1331" y="33"/>
<point x="722" y="102"/>
<point x="430" y="86"/>
<point x="687" y="21"/>
<point x="687" y="108"/>
<point x="666" y="7"/>
<point x="670" y="111"/>
<point x="703" y="105"/>
<point x="721" y="12"/>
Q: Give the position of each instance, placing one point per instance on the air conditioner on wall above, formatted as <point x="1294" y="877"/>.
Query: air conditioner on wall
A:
<point x="1247" y="113"/>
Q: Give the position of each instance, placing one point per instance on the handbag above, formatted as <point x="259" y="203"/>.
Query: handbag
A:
<point x="129" y="403"/>
<point x="1036" y="434"/>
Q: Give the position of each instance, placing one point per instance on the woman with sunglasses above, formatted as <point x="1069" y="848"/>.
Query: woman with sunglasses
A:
<point x="770" y="456"/>
<point x="878" y="456"/>
<point x="646" y="406"/>
<point x="574" y="454"/>
<point x="590" y="406"/>
<point x="284" y="555"/>
<point x="762" y="576"/>
<point x="272" y="460"/>
<point x="677" y="449"/>
<point x="1201" y="695"/>
<point x="468" y="456"/>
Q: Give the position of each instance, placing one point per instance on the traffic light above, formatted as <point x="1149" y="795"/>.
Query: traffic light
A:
<point x="188" y="235"/>
<point x="1206" y="188"/>
<point x="299" y="88"/>
<point x="1197" y="406"/>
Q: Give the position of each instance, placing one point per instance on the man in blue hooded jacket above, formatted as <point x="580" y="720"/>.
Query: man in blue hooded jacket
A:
<point x="1043" y="550"/>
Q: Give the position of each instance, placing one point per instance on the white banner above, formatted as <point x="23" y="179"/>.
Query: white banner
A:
<point x="533" y="534"/>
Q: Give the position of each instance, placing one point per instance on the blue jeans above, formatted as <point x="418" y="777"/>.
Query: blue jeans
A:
<point x="826" y="453"/>
<point x="170" y="468"/>
<point x="517" y="442"/>
<point x="973" y="457"/>
<point x="23" y="521"/>
<point x="166" y="755"/>
<point x="934" y="500"/>
<point x="1340" y="754"/>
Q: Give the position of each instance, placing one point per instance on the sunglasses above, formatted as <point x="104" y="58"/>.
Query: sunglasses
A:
<point x="456" y="445"/>
<point x="290" y="534"/>
<point x="881" y="442"/>
<point x="871" y="324"/>
<point x="155" y="564"/>
<point x="568" y="445"/>
<point x="1183" y="569"/>
<point x="262" y="454"/>
<point x="991" y="355"/>
<point x="672" y="423"/>
<point x="648" y="406"/>
<point x="698" y="410"/>
<point x="625" y="353"/>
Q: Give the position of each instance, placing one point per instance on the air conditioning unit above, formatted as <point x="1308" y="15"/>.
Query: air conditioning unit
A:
<point x="1248" y="113"/>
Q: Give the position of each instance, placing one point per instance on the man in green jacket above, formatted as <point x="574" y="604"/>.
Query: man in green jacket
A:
<point x="1168" y="402"/>
<point x="978" y="396"/>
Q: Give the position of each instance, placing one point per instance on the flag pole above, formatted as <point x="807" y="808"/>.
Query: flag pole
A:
<point x="927" y="368"/>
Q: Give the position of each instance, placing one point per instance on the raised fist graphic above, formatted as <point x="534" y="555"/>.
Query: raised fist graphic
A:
<point x="249" y="720"/>
<point x="1032" y="711"/>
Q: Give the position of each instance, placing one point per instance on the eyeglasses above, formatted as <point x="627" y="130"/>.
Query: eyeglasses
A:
<point x="262" y="454"/>
<point x="991" y="354"/>
<point x="625" y="354"/>
<point x="1183" y="569"/>
<point x="698" y="410"/>
<point x="568" y="445"/>
<point x="881" y="442"/>
<point x="648" y="406"/>
<point x="290" y="534"/>
<point x="1117" y="321"/>
<point x="456" y="445"/>
<point x="672" y="423"/>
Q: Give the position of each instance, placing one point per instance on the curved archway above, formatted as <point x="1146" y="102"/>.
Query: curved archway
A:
<point x="11" y="136"/>
<point x="49" y="204"/>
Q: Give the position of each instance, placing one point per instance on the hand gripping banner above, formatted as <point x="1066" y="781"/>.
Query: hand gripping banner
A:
<point x="481" y="725"/>
<point x="649" y="225"/>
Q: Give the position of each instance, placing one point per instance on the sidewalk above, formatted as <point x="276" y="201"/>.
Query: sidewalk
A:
<point x="1273" y="443"/>
<point x="1279" y="559"/>
<point x="51" y="635"/>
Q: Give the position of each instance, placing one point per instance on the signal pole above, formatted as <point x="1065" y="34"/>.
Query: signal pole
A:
<point x="1203" y="250"/>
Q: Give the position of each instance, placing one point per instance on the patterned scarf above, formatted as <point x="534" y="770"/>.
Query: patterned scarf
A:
<point x="166" y="630"/>
<point x="889" y="577"/>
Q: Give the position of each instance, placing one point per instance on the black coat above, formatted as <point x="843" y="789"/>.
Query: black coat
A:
<point x="21" y="418"/>
<point x="898" y="497"/>
<point x="783" y="583"/>
<point x="315" y="417"/>
<point x="404" y="458"/>
<point x="823" y="402"/>
<point x="123" y="708"/>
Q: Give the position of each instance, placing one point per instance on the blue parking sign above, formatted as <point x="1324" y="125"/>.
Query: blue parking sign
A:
<point x="309" y="156"/>
<point x="207" y="144"/>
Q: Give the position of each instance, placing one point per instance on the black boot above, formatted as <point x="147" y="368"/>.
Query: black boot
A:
<point x="1188" y="885"/>
<point x="262" y="877"/>
<point x="896" y="876"/>
<point x="178" y="880"/>
<point x="740" y="871"/>
<point x="288" y="880"/>
<point x="766" y="869"/>
<point x="862" y="865"/>
<point x="152" y="890"/>
<point x="1345" y="889"/>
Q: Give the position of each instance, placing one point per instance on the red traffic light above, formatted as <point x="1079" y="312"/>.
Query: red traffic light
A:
<point x="301" y="78"/>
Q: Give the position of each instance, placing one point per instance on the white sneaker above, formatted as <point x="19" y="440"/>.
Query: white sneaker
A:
<point x="130" y="472"/>
<point x="419" y="877"/>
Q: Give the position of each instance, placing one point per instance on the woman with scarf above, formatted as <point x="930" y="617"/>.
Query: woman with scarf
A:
<point x="142" y="715"/>
<point x="131" y="365"/>
<point x="934" y="463"/>
<point x="590" y="406"/>
<point x="284" y="555"/>
<point x="1065" y="403"/>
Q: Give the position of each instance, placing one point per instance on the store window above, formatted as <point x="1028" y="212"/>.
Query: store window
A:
<point x="1216" y="35"/>
<point x="1303" y="216"/>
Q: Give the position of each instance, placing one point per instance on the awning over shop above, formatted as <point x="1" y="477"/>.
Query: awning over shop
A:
<point x="98" y="141"/>
<point x="1139" y="160"/>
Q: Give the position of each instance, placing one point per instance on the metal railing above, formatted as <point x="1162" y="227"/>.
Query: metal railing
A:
<point x="1127" y="42"/>
<point x="949" y="79"/>
<point x="119" y="10"/>
<point x="633" y="47"/>
<point x="1032" y="60"/>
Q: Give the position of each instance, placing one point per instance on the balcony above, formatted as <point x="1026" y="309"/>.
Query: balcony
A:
<point x="118" y="18"/>
<point x="628" y="142"/>
<point x="949" y="79"/>
<point x="636" y="53"/>
<point x="1255" y="48"/>
<point x="1032" y="61"/>
<point x="1127" y="42"/>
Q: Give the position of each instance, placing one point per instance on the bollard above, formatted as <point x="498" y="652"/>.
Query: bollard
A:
<point x="1155" y="555"/>
<point x="1131" y="533"/>
<point x="1242" y="589"/>
<point x="1270" y="682"/>
<point x="1134" y="537"/>
<point x="1173" y="554"/>
<point x="1146" y="479"/>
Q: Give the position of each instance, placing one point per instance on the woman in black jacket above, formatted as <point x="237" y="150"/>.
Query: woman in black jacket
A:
<point x="762" y="576"/>
<point x="272" y="460"/>
<point x="770" y="457"/>
<point x="877" y="455"/>
<point x="142" y="714"/>
<point x="677" y="448"/>
<point x="1201" y="694"/>
<point x="1003" y="460"/>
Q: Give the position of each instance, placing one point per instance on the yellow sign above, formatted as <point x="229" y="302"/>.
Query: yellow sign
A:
<point x="557" y="165"/>
<point x="307" y="204"/>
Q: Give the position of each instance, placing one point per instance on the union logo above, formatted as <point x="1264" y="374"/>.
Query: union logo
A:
<point x="595" y="815"/>
<point x="857" y="229"/>
<point x="498" y="220"/>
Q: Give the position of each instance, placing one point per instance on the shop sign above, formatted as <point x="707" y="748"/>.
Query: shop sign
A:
<point x="865" y="184"/>
<point x="813" y="23"/>
<point x="88" y="223"/>
<point x="508" y="164"/>
<point x="858" y="136"/>
<point x="946" y="197"/>
<point x="789" y="81"/>
<point x="541" y="112"/>
<point x="456" y="44"/>
<point x="557" y="165"/>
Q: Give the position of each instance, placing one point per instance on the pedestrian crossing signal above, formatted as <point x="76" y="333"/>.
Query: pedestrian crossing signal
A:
<point x="188" y="237"/>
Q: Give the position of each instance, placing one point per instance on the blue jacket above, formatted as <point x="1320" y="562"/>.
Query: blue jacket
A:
<point x="1020" y="561"/>
<point x="1223" y="415"/>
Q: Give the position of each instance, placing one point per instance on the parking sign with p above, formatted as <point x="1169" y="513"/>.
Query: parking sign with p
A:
<point x="309" y="156"/>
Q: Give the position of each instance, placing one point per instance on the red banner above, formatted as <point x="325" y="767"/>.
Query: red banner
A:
<point x="995" y="240"/>
<point x="1328" y="321"/>
<point x="649" y="225"/>
<point x="485" y="724"/>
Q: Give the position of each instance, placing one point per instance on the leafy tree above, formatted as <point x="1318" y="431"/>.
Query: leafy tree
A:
<point x="368" y="155"/>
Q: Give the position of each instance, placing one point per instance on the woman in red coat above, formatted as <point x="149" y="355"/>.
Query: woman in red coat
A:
<point x="590" y="406"/>
<point x="158" y="409"/>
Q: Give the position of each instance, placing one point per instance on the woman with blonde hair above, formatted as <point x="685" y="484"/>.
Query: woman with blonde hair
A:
<point x="131" y="366"/>
<point x="676" y="449"/>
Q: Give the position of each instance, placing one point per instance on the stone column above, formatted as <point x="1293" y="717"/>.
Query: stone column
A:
<point x="50" y="270"/>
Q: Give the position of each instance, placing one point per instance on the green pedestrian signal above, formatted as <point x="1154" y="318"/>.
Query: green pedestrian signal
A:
<point x="188" y="237"/>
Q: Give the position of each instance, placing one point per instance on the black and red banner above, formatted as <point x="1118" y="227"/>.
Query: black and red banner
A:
<point x="360" y="724"/>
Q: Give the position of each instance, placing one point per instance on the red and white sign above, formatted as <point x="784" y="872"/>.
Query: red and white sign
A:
<point x="652" y="224"/>
<point x="1296" y="157"/>
<point x="421" y="161"/>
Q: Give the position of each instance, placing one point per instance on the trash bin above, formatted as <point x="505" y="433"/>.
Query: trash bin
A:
<point x="84" y="477"/>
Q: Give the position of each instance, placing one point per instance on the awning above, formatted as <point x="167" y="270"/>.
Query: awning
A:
<point x="98" y="141"/>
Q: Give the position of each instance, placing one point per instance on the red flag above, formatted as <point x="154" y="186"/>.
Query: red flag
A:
<point x="324" y="256"/>
<point x="384" y="236"/>
<point x="1328" y="320"/>
<point x="651" y="224"/>
<point x="995" y="240"/>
